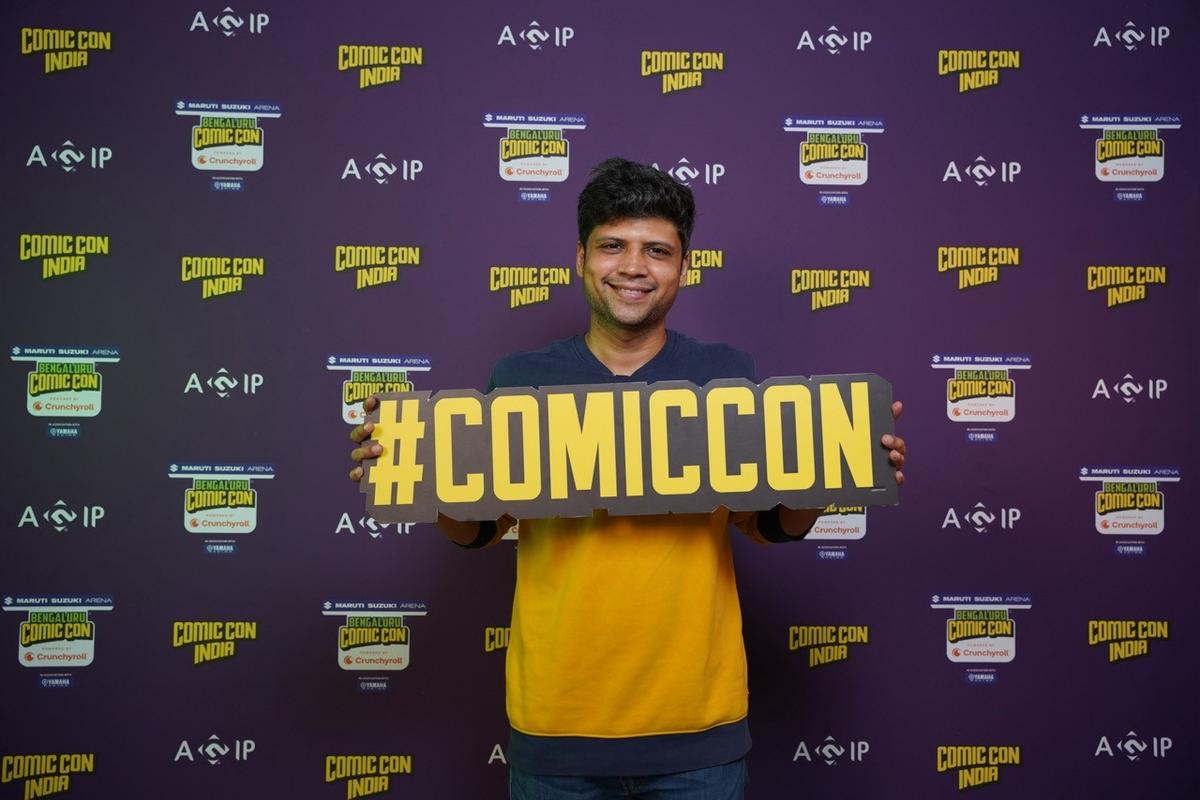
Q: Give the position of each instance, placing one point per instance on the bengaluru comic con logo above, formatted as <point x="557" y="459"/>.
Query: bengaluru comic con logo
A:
<point x="681" y="69"/>
<point x="58" y="631"/>
<point x="976" y="69"/>
<point x="373" y="634"/>
<point x="829" y="288"/>
<point x="1129" y="148"/>
<point x="375" y="265"/>
<point x="981" y="628"/>
<point x="827" y="644"/>
<point x="534" y="149"/>
<point x="379" y="65"/>
<point x="976" y="265"/>
<point x="61" y="253"/>
<point x="220" y="500"/>
<point x="526" y="286"/>
<point x="227" y="137"/>
<point x="1129" y="501"/>
<point x="64" y="48"/>
<point x="981" y="388"/>
<point x="833" y="152"/>
<point x="64" y="381"/>
<point x="370" y="375"/>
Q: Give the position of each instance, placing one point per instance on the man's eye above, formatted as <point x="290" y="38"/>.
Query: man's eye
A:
<point x="610" y="246"/>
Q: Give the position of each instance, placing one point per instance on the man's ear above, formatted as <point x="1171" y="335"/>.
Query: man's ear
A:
<point x="684" y="266"/>
<point x="580" y="253"/>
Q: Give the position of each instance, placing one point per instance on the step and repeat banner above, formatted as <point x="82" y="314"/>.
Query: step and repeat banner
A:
<point x="226" y="225"/>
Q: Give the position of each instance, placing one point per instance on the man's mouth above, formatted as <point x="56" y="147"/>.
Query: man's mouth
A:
<point x="631" y="293"/>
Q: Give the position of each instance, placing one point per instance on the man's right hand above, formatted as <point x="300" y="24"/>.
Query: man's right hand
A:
<point x="362" y="435"/>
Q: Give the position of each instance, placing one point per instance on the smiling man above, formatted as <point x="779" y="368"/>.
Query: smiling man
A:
<point x="626" y="671"/>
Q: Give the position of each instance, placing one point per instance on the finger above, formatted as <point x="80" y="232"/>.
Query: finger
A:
<point x="897" y="408"/>
<point x="899" y="477"/>
<point x="893" y="442"/>
<point x="370" y="403"/>
<point x="363" y="453"/>
<point x="362" y="432"/>
<point x="896" y="457"/>
<point x="356" y="474"/>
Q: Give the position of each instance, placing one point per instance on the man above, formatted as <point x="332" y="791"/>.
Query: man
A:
<point x="626" y="671"/>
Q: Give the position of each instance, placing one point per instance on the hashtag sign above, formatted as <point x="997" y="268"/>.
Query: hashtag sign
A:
<point x="396" y="472"/>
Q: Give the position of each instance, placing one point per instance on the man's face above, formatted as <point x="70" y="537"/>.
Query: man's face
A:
<point x="631" y="270"/>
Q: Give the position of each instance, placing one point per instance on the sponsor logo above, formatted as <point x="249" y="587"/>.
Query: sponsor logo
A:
<point x="827" y="644"/>
<point x="1130" y="148"/>
<point x="833" y="152"/>
<point x="527" y="285"/>
<point x="1124" y="284"/>
<point x="834" y="41"/>
<point x="211" y="640"/>
<point x="213" y="751"/>
<point x="976" y="765"/>
<point x="374" y="635"/>
<point x="225" y="384"/>
<point x="830" y="753"/>
<point x="229" y="23"/>
<point x="61" y="253"/>
<point x="1126" y="638"/>
<point x="840" y="522"/>
<point x="62" y="516"/>
<point x="44" y="774"/>
<point x="375" y="265"/>
<point x="1129" y="389"/>
<point x="382" y="169"/>
<point x="71" y="157"/>
<point x="828" y="288"/>
<point x="496" y="639"/>
<point x="976" y="265"/>
<point x="686" y="172"/>
<point x="64" y="381"/>
<point x="981" y="388"/>
<point x="366" y="774"/>
<point x="981" y="172"/>
<point x="980" y="519"/>
<point x="378" y="65"/>
<point x="220" y="501"/>
<point x="64" y="48"/>
<point x="371" y="375"/>
<point x="220" y="275"/>
<point x="680" y="69"/>
<point x="536" y="36"/>
<point x="1130" y="500"/>
<point x="370" y="526"/>
<point x="976" y="69"/>
<point x="1133" y="747"/>
<point x="980" y="629"/>
<point x="1130" y="36"/>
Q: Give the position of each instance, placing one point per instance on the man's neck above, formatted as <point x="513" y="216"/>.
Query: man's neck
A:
<point x="624" y="352"/>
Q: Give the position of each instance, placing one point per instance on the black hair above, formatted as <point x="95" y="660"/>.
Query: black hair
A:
<point x="622" y="189"/>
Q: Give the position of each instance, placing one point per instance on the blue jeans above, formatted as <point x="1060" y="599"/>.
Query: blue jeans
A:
<point x="726" y="782"/>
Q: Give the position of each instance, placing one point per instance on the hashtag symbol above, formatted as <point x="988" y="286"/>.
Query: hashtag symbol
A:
<point x="397" y="471"/>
